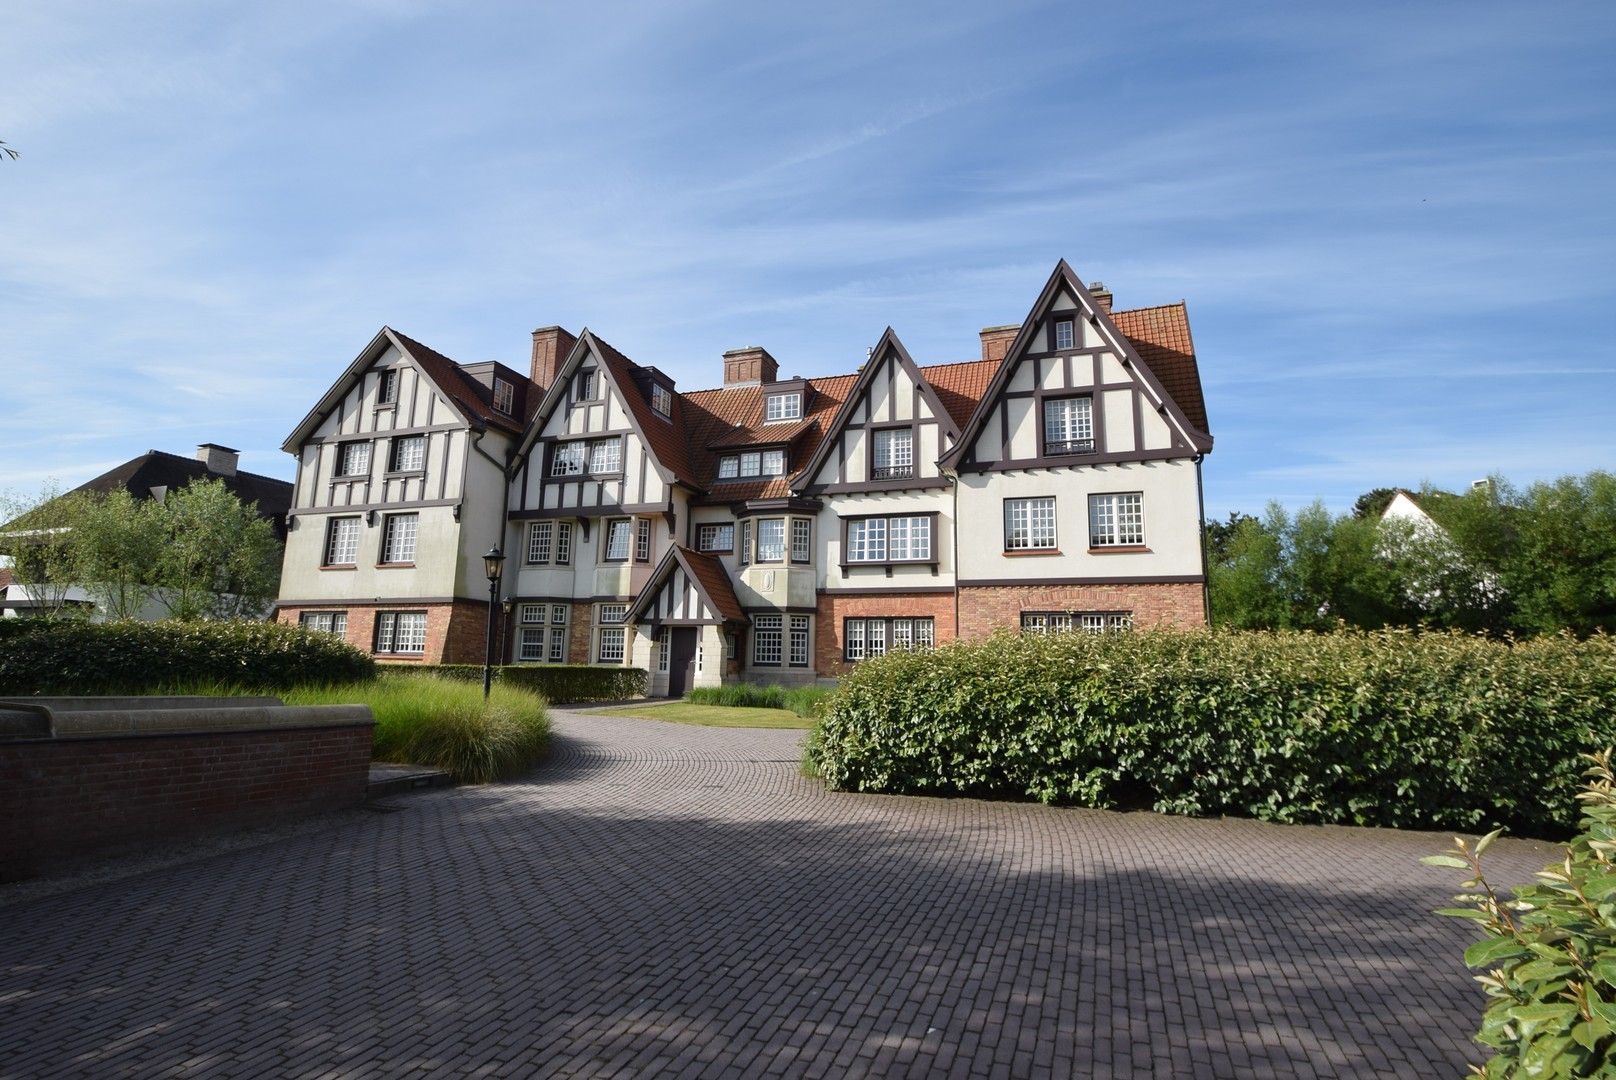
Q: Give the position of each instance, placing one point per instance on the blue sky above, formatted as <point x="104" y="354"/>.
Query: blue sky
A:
<point x="1393" y="224"/>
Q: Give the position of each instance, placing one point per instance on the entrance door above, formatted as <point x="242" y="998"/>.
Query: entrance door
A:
<point x="681" y="659"/>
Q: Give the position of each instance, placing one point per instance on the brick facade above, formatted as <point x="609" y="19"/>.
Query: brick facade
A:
<point x="455" y="633"/>
<point x="64" y="797"/>
<point x="831" y="610"/>
<point x="984" y="609"/>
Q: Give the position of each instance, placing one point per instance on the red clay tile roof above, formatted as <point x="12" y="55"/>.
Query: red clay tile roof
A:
<point x="715" y="581"/>
<point x="466" y="392"/>
<point x="667" y="437"/>
<point x="959" y="386"/>
<point x="1162" y="337"/>
<point x="710" y="417"/>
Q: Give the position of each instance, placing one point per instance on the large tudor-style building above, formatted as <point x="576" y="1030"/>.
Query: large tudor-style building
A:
<point x="771" y="529"/>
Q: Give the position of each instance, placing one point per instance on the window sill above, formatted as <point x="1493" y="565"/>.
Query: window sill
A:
<point x="395" y="566"/>
<point x="351" y="476"/>
<point x="884" y="564"/>
<point x="380" y="405"/>
<point x="340" y="566"/>
<point x="402" y="474"/>
<point x="1120" y="549"/>
<point x="1031" y="553"/>
<point x="414" y="657"/>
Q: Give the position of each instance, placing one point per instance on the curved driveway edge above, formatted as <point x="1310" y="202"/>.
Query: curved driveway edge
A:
<point x="679" y="901"/>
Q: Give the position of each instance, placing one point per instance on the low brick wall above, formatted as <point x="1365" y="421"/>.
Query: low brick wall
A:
<point x="65" y="796"/>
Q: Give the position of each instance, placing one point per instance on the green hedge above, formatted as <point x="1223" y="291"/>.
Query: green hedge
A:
<point x="556" y="682"/>
<point x="1388" y="728"/>
<point x="70" y="656"/>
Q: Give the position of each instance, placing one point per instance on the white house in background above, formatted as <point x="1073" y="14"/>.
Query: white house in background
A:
<point x="775" y="528"/>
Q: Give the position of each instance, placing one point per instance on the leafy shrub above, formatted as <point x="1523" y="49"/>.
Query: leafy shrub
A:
<point x="444" y="723"/>
<point x="1550" y="951"/>
<point x="805" y="701"/>
<point x="555" y="682"/>
<point x="69" y="656"/>
<point x="1386" y="728"/>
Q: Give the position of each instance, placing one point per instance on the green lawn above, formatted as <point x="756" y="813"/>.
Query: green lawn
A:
<point x="683" y="712"/>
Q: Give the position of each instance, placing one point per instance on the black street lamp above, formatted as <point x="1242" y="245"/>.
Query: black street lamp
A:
<point x="494" y="566"/>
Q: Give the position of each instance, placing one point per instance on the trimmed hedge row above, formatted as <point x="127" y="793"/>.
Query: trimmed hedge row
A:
<point x="806" y="701"/>
<point x="70" y="656"/>
<point x="556" y="682"/>
<point x="1389" y="728"/>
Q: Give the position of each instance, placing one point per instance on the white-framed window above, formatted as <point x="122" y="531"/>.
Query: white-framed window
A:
<point x="778" y="407"/>
<point x="354" y="459"/>
<point x="1058" y="622"/>
<point x="401" y="633"/>
<point x="799" y="641"/>
<point x="558" y="633"/>
<point x="1117" y="519"/>
<point x="894" y="454"/>
<point x="867" y="540"/>
<point x="664" y="643"/>
<point x="771" y="540"/>
<point x="568" y="459"/>
<point x="909" y="538"/>
<point x="1029" y="524"/>
<point x="1063" y="333"/>
<point x="642" y="540"/>
<point x="802" y="533"/>
<point x="387" y="389"/>
<point x="326" y="622"/>
<point x="853" y="639"/>
<point x="875" y="637"/>
<point x="766" y="640"/>
<point x="342" y="541"/>
<point x="606" y="455"/>
<point x="752" y="463"/>
<point x="398" y="538"/>
<point x="540" y="541"/>
<point x="716" y="537"/>
<point x="612" y="634"/>
<point x="1068" y="425"/>
<point x="745" y="554"/>
<point x="896" y="539"/>
<point x="504" y="395"/>
<point x="619" y="532"/>
<point x="662" y="401"/>
<point x="563" y="543"/>
<point x="409" y="453"/>
<point x="583" y="385"/>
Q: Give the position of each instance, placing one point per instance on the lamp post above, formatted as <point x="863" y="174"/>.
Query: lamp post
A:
<point x="494" y="566"/>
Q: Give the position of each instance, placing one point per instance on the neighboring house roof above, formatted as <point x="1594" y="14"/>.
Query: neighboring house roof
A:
<point x="159" y="469"/>
<point x="959" y="386"/>
<point x="1161" y="336"/>
<point x="715" y="420"/>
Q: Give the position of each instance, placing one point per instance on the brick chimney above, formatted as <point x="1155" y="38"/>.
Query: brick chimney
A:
<point x="551" y="344"/>
<point x="1102" y="295"/>
<point x="749" y="367"/>
<point x="219" y="459"/>
<point x="996" y="340"/>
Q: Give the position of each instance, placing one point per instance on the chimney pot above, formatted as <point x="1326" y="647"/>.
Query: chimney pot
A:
<point x="551" y="344"/>
<point x="218" y="459"/>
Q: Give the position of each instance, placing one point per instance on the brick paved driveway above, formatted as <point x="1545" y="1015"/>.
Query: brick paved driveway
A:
<point x="664" y="900"/>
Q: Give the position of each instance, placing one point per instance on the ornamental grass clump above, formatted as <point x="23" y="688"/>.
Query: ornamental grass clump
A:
<point x="1392" y="728"/>
<point x="444" y="723"/>
<point x="1549" y="951"/>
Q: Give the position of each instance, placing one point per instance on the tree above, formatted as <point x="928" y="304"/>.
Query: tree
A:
<point x="1561" y="572"/>
<point x="38" y="539"/>
<point x="219" y="558"/>
<point x="1243" y="566"/>
<point x="1373" y="503"/>
<point x="118" y="542"/>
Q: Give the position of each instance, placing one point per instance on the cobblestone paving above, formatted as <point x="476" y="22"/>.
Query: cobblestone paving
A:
<point x="679" y="901"/>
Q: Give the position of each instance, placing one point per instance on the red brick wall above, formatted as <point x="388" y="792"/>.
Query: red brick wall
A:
<point x="833" y="609"/>
<point x="455" y="633"/>
<point x="986" y="608"/>
<point x="63" y="797"/>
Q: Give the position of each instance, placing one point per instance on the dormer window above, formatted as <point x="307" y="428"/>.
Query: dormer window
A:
<point x="894" y="451"/>
<point x="583" y="387"/>
<point x="778" y="408"/>
<point x="1063" y="333"/>
<point x="1068" y="426"/>
<point x="752" y="464"/>
<point x="504" y="396"/>
<point x="662" y="401"/>
<point x="387" y="392"/>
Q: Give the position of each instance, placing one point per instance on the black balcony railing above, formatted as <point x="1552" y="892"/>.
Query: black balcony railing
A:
<point x="892" y="472"/>
<point x="1056" y="447"/>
